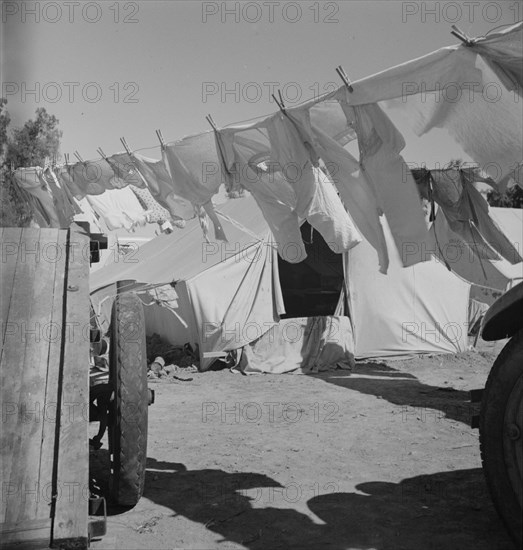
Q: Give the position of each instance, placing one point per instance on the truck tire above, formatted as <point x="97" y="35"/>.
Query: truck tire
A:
<point x="501" y="435"/>
<point x="128" y="417"/>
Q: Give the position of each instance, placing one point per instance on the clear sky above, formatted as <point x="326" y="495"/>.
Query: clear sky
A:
<point x="108" y="69"/>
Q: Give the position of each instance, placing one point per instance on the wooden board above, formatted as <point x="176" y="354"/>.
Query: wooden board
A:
<point x="70" y="519"/>
<point x="45" y="387"/>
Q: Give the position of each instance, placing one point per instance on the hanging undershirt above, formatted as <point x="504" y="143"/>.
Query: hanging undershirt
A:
<point x="313" y="123"/>
<point x="316" y="199"/>
<point x="383" y="167"/>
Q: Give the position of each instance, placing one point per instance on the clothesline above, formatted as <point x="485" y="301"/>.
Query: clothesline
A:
<point x="256" y="155"/>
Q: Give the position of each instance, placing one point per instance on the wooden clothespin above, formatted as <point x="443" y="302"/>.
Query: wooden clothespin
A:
<point x="458" y="33"/>
<point x="66" y="157"/>
<point x="160" y="138"/>
<point x="101" y="153"/>
<point x="280" y="103"/>
<point x="210" y="120"/>
<point x="343" y="75"/>
<point x="127" y="148"/>
<point x="135" y="166"/>
<point x="77" y="155"/>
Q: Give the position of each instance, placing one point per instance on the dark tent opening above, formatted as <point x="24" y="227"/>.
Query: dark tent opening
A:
<point x="312" y="287"/>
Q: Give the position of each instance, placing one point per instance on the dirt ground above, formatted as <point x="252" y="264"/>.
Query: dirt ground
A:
<point x="382" y="457"/>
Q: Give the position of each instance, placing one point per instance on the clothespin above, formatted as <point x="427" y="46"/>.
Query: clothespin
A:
<point x="129" y="152"/>
<point x="160" y="137"/>
<point x="77" y="155"/>
<point x="66" y="157"/>
<point x="101" y="153"/>
<point x="124" y="143"/>
<point x="280" y="103"/>
<point x="458" y="33"/>
<point x="210" y="120"/>
<point x="343" y="75"/>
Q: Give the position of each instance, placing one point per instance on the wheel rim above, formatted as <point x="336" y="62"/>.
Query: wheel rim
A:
<point x="513" y="438"/>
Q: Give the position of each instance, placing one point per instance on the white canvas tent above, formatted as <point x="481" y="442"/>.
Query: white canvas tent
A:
<point x="228" y="294"/>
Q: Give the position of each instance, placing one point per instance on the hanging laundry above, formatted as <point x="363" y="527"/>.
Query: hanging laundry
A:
<point x="31" y="180"/>
<point x="195" y="169"/>
<point x="324" y="127"/>
<point x="380" y="144"/>
<point x="64" y="203"/>
<point x="246" y="156"/>
<point x="161" y="187"/>
<point x="124" y="169"/>
<point x="156" y="212"/>
<point x="454" y="88"/>
<point x="457" y="256"/>
<point x="466" y="212"/>
<point x="89" y="178"/>
<point x="503" y="52"/>
<point x="118" y="208"/>
<point x="316" y="199"/>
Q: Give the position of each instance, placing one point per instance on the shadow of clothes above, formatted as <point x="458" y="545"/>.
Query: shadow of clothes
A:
<point x="235" y="505"/>
<point x="405" y="390"/>
<point x="430" y="512"/>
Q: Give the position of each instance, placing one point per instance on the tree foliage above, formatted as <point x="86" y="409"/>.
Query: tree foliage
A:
<point x="27" y="146"/>
<point x="512" y="198"/>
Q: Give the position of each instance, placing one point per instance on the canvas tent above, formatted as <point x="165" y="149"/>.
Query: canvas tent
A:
<point x="227" y="294"/>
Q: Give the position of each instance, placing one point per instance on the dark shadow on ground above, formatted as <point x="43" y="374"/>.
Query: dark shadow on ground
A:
<point x="430" y="512"/>
<point x="405" y="390"/>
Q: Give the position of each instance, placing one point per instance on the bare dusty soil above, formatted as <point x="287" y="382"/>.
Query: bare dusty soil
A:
<point x="382" y="457"/>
